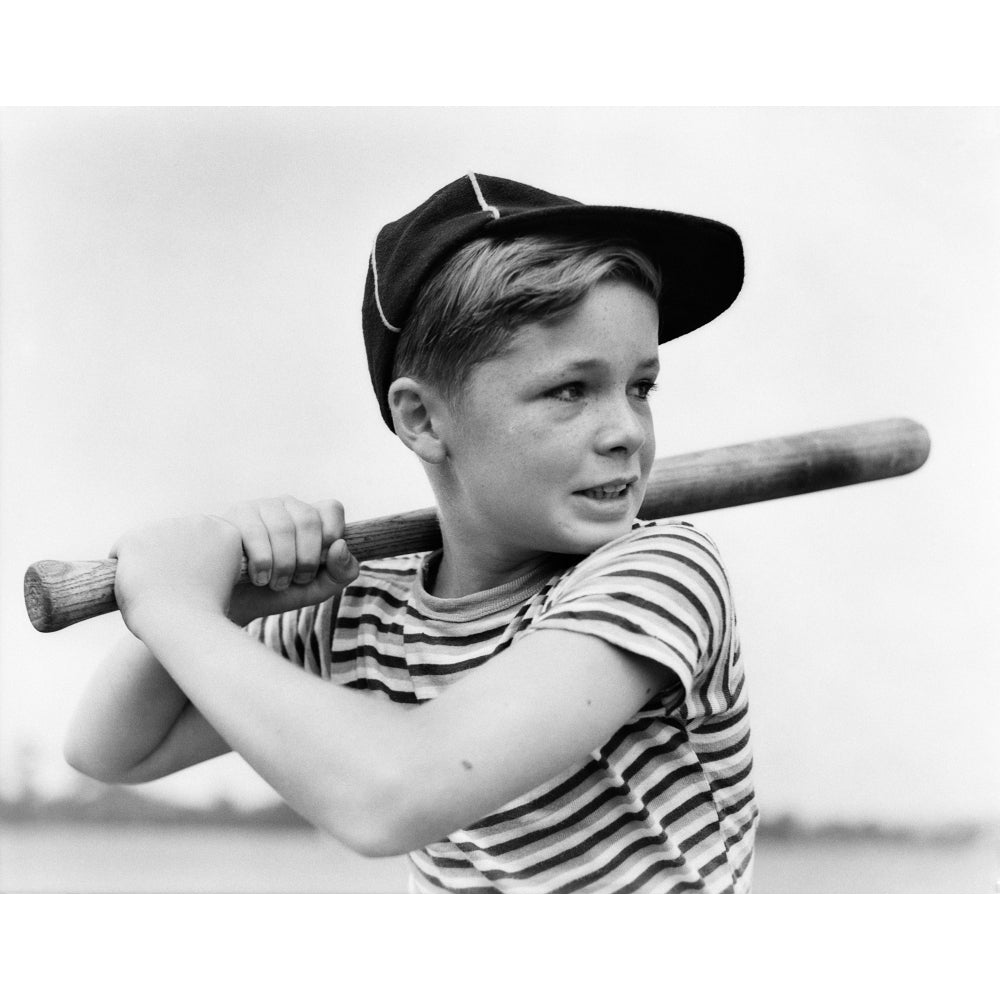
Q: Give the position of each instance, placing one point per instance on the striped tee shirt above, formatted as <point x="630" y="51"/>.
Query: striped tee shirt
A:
<point x="666" y="805"/>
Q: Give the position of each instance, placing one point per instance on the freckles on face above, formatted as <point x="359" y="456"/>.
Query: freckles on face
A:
<point x="568" y="400"/>
<point x="487" y="421"/>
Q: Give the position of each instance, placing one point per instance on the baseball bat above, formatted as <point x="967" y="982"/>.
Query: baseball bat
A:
<point x="58" y="594"/>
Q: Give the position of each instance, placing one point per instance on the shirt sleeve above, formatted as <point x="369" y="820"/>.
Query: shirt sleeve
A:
<point x="302" y="637"/>
<point x="659" y="592"/>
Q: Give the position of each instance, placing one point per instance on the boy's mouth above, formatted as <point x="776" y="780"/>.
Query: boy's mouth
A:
<point x="609" y="491"/>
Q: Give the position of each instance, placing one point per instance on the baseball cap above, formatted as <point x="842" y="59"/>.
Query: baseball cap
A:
<point x="701" y="260"/>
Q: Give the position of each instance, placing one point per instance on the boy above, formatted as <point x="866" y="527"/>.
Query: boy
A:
<point x="554" y="701"/>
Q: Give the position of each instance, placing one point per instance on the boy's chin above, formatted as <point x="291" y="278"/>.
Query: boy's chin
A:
<point x="588" y="538"/>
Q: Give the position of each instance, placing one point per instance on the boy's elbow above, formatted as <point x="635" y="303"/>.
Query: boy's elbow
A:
<point x="380" y="820"/>
<point x="92" y="765"/>
<point x="80" y="761"/>
<point x="375" y="841"/>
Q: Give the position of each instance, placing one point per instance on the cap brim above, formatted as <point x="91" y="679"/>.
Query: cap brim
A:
<point x="700" y="260"/>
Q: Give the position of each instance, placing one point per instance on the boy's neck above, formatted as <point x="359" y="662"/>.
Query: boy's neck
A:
<point x="456" y="578"/>
<point x="469" y="567"/>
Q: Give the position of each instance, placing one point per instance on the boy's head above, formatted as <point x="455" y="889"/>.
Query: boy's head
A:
<point x="449" y="282"/>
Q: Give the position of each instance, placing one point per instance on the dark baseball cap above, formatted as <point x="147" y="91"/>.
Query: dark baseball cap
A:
<point x="701" y="260"/>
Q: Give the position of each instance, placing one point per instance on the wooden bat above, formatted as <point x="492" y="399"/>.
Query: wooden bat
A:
<point x="58" y="594"/>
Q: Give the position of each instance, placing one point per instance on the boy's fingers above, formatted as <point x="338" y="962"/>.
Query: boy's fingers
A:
<point x="256" y="542"/>
<point x="331" y="514"/>
<point x="339" y="569"/>
<point x="308" y="539"/>
<point x="287" y="540"/>
<point x="281" y="534"/>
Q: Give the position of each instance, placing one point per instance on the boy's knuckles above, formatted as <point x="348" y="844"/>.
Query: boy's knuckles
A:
<point x="330" y="510"/>
<point x="281" y="529"/>
<point x="255" y="538"/>
<point x="310" y="532"/>
<point x="332" y="518"/>
<point x="299" y="510"/>
<point x="273" y="510"/>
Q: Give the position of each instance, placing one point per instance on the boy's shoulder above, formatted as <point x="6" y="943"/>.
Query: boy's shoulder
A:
<point x="678" y="526"/>
<point x="665" y="534"/>
<point x="652" y="554"/>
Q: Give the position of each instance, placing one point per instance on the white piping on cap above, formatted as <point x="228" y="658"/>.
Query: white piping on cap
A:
<point x="378" y="301"/>
<point x="479" y="197"/>
<point x="483" y="204"/>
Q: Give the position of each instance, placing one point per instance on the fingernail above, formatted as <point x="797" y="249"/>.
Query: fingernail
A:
<point x="260" y="578"/>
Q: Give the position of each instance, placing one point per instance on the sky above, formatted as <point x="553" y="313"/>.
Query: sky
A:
<point x="180" y="296"/>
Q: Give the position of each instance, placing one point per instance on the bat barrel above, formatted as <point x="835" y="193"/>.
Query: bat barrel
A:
<point x="785" y="466"/>
<point x="57" y="594"/>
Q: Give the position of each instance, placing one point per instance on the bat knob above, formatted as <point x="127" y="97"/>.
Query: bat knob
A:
<point x="57" y="594"/>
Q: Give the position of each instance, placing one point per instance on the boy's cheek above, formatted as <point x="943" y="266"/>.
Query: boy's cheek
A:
<point x="648" y="452"/>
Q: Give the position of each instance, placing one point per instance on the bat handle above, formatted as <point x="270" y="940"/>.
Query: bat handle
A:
<point x="57" y="594"/>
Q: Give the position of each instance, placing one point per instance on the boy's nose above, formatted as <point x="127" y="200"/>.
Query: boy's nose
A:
<point x="621" y="429"/>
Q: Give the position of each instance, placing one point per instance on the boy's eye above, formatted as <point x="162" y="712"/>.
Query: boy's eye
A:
<point x="644" y="388"/>
<point x="568" y="393"/>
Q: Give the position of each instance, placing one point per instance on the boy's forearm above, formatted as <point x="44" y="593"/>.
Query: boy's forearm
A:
<point x="128" y="708"/>
<point x="331" y="753"/>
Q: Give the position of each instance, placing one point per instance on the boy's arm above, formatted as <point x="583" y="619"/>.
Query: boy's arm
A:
<point x="534" y="710"/>
<point x="382" y="777"/>
<point x="134" y="723"/>
<point x="386" y="778"/>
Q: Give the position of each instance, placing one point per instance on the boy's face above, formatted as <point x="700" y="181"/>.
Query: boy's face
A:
<point x="550" y="446"/>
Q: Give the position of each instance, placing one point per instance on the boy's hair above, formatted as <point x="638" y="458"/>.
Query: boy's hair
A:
<point x="468" y="311"/>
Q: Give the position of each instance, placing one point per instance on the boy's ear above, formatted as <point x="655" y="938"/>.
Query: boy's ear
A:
<point x="416" y="414"/>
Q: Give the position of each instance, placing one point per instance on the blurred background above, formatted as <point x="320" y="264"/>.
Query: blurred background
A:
<point x="180" y="299"/>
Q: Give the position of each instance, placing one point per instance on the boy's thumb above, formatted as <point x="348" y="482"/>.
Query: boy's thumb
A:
<point x="340" y="563"/>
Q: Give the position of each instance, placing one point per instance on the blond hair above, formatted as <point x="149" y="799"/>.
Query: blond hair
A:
<point x="469" y="311"/>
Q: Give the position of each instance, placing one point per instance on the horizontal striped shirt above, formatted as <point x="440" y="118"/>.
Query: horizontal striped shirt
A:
<point x="666" y="805"/>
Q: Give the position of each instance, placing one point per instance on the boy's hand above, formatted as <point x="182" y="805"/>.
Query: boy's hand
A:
<point x="188" y="563"/>
<point x="296" y="555"/>
<point x="296" y="551"/>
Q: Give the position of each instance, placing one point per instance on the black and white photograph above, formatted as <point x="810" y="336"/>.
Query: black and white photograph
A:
<point x="499" y="500"/>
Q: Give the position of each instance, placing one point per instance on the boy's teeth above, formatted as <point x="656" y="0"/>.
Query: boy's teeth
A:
<point x="602" y="492"/>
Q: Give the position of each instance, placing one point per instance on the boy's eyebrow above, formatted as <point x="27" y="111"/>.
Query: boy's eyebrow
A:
<point x="586" y="365"/>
